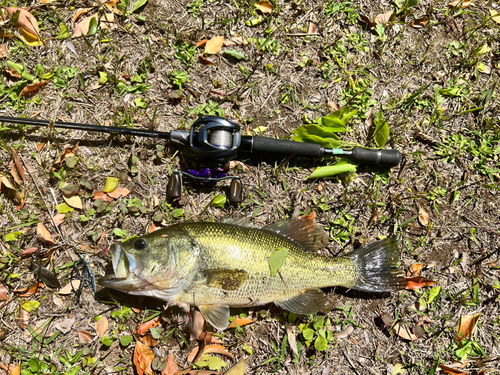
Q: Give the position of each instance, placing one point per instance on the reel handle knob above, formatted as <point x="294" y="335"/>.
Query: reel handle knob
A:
<point x="236" y="191"/>
<point x="174" y="185"/>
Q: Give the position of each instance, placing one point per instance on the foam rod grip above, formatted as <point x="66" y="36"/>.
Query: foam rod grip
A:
<point x="389" y="158"/>
<point x="279" y="146"/>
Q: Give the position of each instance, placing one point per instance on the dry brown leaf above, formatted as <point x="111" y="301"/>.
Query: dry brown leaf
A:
<point x="312" y="28"/>
<point x="495" y="16"/>
<point x="201" y="43"/>
<point x="217" y="349"/>
<point x="107" y="21"/>
<point x="26" y="21"/>
<point x="112" y="7"/>
<point x="206" y="60"/>
<point x="29" y="291"/>
<point x="32" y="89"/>
<point x="423" y="217"/>
<point x="466" y="326"/>
<point x="235" y="41"/>
<point x="143" y="356"/>
<point x="144" y="327"/>
<point x="452" y="371"/>
<point x="58" y="219"/>
<point x="171" y="368"/>
<point x="74" y="201"/>
<point x="101" y="326"/>
<point x="148" y="340"/>
<point x="84" y="337"/>
<point x="241" y="321"/>
<point x="16" y="370"/>
<point x="415" y="269"/>
<point x="12" y="73"/>
<point x="404" y="332"/>
<point x="82" y="27"/>
<point x="418" y="282"/>
<point x="383" y="18"/>
<point x="13" y="173"/>
<point x="119" y="192"/>
<point x="264" y="6"/>
<point x="3" y="292"/>
<point x="24" y="317"/>
<point x="152" y="228"/>
<point x="47" y="1"/>
<point x="43" y="234"/>
<point x="18" y="163"/>
<point x="419" y="22"/>
<point x="195" y="325"/>
<point x="209" y="338"/>
<point x="70" y="287"/>
<point x="81" y="12"/>
<point x="465" y="3"/>
<point x="3" y="51"/>
<point x="102" y="195"/>
<point x="366" y="22"/>
<point x="214" y="45"/>
<point x="68" y="152"/>
<point x="237" y="369"/>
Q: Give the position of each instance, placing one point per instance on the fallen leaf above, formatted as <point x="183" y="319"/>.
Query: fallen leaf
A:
<point x="171" y="368"/>
<point x="264" y="6"/>
<point x="292" y="340"/>
<point x="81" y="12"/>
<point x="452" y="371"/>
<point x="240" y="322"/>
<point x="201" y="43"/>
<point x="483" y="68"/>
<point x="82" y="27"/>
<point x="29" y="291"/>
<point x="74" y="201"/>
<point x="47" y="1"/>
<point x="3" y="51"/>
<point x="111" y="184"/>
<point x="237" y="369"/>
<point x="465" y="3"/>
<point x="30" y="39"/>
<point x="58" y="219"/>
<point x="43" y="234"/>
<point x="144" y="327"/>
<point x="366" y="22"/>
<point x="209" y="338"/>
<point x="423" y="217"/>
<point x="419" y="22"/>
<point x="415" y="269"/>
<point x="345" y="333"/>
<point x="387" y="319"/>
<point x="143" y="356"/>
<point x="196" y="323"/>
<point x="311" y="29"/>
<point x="101" y="326"/>
<point x="214" y="45"/>
<point x="148" y="340"/>
<point x="70" y="287"/>
<point x="107" y="21"/>
<point x="65" y="326"/>
<point x="404" y="332"/>
<point x="25" y="21"/>
<point x="205" y="60"/>
<point x="85" y="337"/>
<point x="68" y="152"/>
<point x="217" y="349"/>
<point x="495" y="16"/>
<point x="13" y="172"/>
<point x="418" y="282"/>
<point x="15" y="370"/>
<point x="466" y="326"/>
<point x="3" y="292"/>
<point x="18" y="163"/>
<point x="102" y="195"/>
<point x="119" y="192"/>
<point x="24" y="317"/>
<point x="112" y="6"/>
<point x="398" y="368"/>
<point x="152" y="228"/>
<point x="32" y="89"/>
<point x="383" y="18"/>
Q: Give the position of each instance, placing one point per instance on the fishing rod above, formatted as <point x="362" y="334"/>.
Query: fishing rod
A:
<point x="216" y="140"/>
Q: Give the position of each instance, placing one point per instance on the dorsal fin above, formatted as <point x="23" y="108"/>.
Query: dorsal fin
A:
<point x="302" y="230"/>
<point x="240" y="221"/>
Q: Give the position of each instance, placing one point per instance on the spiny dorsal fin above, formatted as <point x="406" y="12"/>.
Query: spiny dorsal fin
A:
<point x="225" y="279"/>
<point x="302" y="230"/>
<point x="309" y="302"/>
<point x="240" y="221"/>
<point x="216" y="315"/>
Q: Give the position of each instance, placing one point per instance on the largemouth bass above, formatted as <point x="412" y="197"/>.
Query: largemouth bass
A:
<point x="218" y="265"/>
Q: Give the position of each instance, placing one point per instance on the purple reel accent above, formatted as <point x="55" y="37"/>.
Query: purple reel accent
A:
<point x="208" y="172"/>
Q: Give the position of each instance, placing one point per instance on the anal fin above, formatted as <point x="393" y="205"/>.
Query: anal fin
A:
<point x="216" y="315"/>
<point x="309" y="302"/>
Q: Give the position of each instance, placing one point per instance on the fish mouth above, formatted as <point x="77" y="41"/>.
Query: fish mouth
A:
<point x="122" y="278"/>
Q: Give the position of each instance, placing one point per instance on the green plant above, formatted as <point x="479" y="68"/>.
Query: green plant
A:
<point x="184" y="52"/>
<point x="179" y="78"/>
<point x="194" y="7"/>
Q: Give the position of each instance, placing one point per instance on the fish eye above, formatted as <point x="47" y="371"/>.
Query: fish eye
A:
<point x="140" y="244"/>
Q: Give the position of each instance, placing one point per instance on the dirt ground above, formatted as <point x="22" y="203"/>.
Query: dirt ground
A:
<point x="430" y="68"/>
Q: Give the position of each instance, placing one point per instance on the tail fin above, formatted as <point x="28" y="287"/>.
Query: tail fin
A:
<point x="378" y="267"/>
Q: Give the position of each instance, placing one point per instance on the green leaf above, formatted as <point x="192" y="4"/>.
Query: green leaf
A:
<point x="381" y="134"/>
<point x="139" y="5"/>
<point x="254" y="21"/>
<point x="277" y="259"/>
<point x="336" y="121"/>
<point x="235" y="54"/>
<point x="30" y="305"/>
<point x="178" y="212"/>
<point x="318" y="324"/>
<point x="17" y="67"/>
<point x="70" y="189"/>
<point x="120" y="232"/>
<point x="63" y="34"/>
<point x="218" y="201"/>
<point x="212" y="362"/>
<point x="308" y="334"/>
<point x="320" y="344"/>
<point x="140" y="103"/>
<point x="107" y="340"/>
<point x="111" y="184"/>
<point x="126" y="340"/>
<point x="433" y="293"/>
<point x="12" y="236"/>
<point x="342" y="166"/>
<point x="312" y="133"/>
<point x="103" y="78"/>
<point x="92" y="26"/>
<point x="63" y="208"/>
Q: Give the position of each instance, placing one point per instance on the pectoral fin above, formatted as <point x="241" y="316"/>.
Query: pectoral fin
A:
<point x="216" y="315"/>
<point x="225" y="279"/>
<point x="309" y="302"/>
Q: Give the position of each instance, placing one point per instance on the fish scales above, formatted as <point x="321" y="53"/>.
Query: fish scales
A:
<point x="225" y="246"/>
